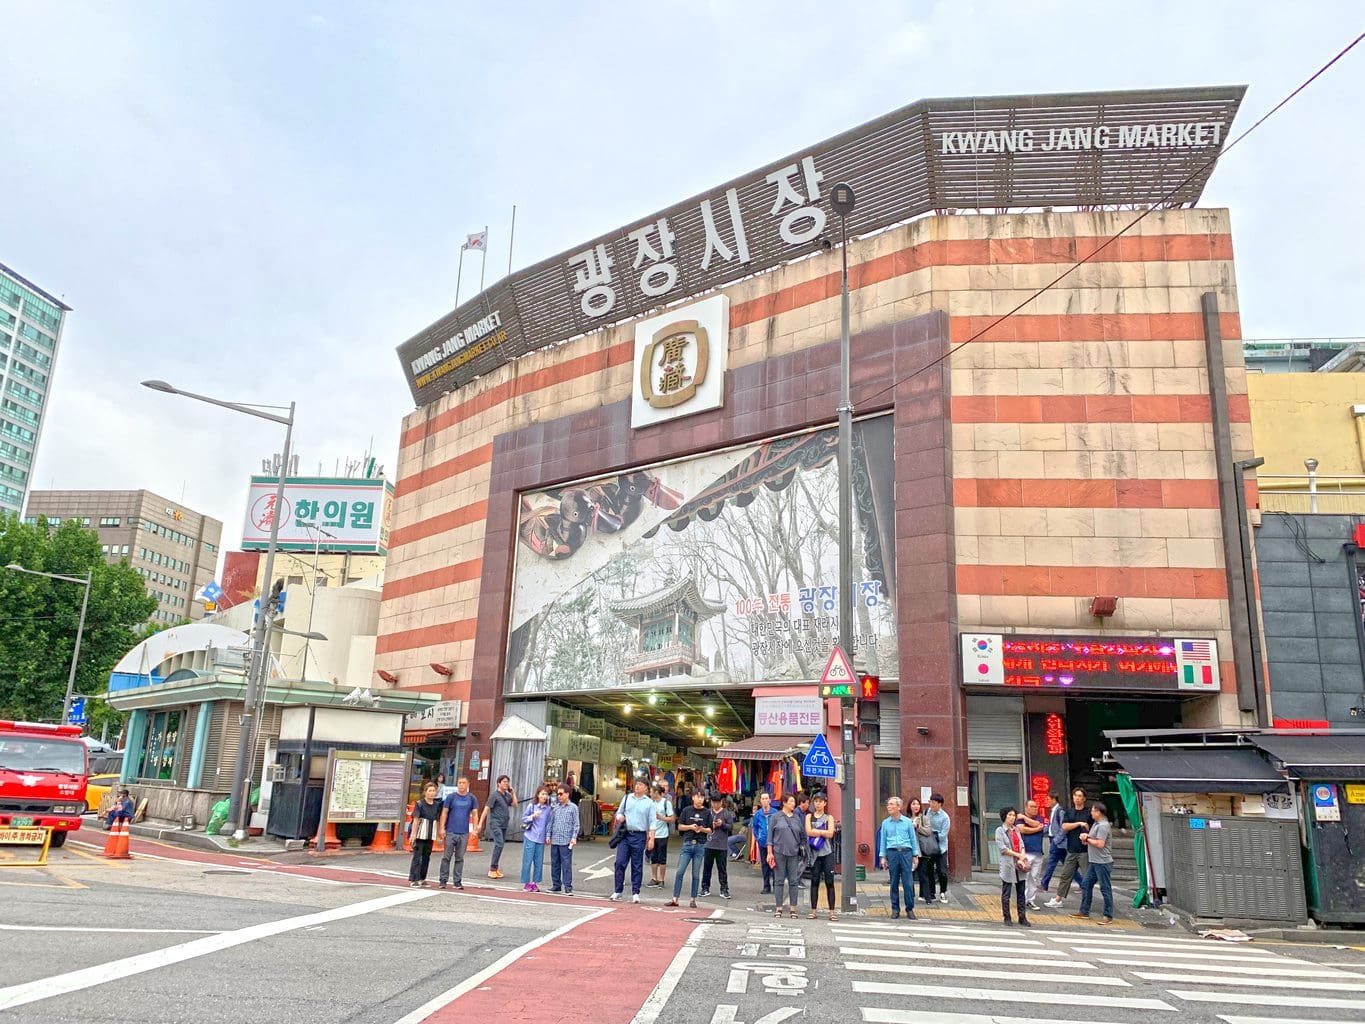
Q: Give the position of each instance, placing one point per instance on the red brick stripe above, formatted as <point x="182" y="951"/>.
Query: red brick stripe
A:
<point x="426" y="636"/>
<point x="1083" y="581"/>
<point x="460" y="572"/>
<point x="1091" y="327"/>
<point x="439" y="524"/>
<point x="983" y="252"/>
<point x="1030" y="493"/>
<point x="1093" y="409"/>
<point x="445" y="470"/>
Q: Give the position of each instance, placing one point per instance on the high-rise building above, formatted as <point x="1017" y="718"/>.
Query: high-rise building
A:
<point x="30" y="331"/>
<point x="173" y="548"/>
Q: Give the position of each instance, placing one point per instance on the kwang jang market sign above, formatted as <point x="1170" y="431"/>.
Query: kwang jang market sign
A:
<point x="1009" y="152"/>
<point x="1080" y="663"/>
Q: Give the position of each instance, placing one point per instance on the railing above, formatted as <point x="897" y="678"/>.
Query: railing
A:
<point x="665" y="655"/>
<point x="1321" y="494"/>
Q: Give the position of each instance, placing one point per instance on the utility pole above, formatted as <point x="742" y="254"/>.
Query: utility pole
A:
<point x="842" y="199"/>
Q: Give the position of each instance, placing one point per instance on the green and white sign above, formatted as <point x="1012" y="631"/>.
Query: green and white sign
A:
<point x="329" y="513"/>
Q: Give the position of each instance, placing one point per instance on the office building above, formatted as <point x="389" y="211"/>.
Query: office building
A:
<point x="175" y="549"/>
<point x="30" y="330"/>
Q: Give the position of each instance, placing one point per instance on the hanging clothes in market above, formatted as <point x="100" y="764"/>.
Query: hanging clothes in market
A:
<point x="727" y="778"/>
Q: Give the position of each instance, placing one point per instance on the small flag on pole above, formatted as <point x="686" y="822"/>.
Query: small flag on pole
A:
<point x="477" y="241"/>
<point x="1198" y="665"/>
<point x="210" y="592"/>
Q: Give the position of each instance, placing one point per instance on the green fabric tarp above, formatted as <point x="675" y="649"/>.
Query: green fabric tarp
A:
<point x="1131" y="804"/>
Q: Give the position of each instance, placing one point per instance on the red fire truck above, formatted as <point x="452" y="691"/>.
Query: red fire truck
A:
<point x="42" y="777"/>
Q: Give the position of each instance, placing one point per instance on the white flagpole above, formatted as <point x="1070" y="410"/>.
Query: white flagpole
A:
<point x="459" y="272"/>
<point x="483" y="262"/>
<point x="511" y="237"/>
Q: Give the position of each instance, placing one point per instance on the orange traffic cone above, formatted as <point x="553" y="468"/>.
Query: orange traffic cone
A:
<point x="383" y="839"/>
<point x="473" y="845"/>
<point x="327" y="839"/>
<point x="118" y="838"/>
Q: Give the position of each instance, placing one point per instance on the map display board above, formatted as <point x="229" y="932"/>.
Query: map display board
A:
<point x="367" y="785"/>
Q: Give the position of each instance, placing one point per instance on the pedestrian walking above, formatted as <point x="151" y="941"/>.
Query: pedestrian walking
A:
<point x="1075" y="823"/>
<point x="457" y="812"/>
<point x="562" y="835"/>
<point x="939" y="824"/>
<point x="497" y="815"/>
<point x="924" y="835"/>
<point x="694" y="825"/>
<point x="820" y="839"/>
<point x="898" y="847"/>
<point x="636" y="813"/>
<point x="1032" y="827"/>
<point x="718" y="846"/>
<point x="1101" y="858"/>
<point x="763" y="810"/>
<point x="1014" y="862"/>
<point x="1056" y="839"/>
<point x="786" y="837"/>
<point x="423" y="829"/>
<point x="664" y="817"/>
<point x="535" y="827"/>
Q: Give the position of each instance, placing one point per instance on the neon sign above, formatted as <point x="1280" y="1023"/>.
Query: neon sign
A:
<point x="1054" y="734"/>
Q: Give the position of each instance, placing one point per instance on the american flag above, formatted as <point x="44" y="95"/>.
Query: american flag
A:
<point x="1196" y="663"/>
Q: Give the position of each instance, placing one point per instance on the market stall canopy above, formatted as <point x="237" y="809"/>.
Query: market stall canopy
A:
<point x="762" y="748"/>
<point x="1223" y="770"/>
<point x="1317" y="757"/>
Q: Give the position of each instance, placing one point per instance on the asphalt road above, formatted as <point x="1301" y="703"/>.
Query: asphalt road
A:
<point x="177" y="935"/>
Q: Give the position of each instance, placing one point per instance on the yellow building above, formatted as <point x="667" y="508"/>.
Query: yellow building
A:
<point x="1296" y="417"/>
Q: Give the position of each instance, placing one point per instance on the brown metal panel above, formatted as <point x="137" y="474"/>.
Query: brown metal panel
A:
<point x="1074" y="150"/>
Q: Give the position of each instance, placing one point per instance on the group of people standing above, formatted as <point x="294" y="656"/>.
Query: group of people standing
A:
<point x="914" y="848"/>
<point x="1079" y="839"/>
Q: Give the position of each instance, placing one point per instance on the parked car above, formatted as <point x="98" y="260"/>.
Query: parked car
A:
<point x="105" y="770"/>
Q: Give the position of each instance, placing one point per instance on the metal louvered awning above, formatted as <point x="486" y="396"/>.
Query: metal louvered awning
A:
<point x="762" y="748"/>
<point x="1222" y="770"/>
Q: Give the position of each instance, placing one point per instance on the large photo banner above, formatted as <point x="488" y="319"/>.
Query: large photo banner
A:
<point x="716" y="570"/>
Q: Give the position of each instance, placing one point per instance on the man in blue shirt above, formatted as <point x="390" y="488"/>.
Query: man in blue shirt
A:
<point x="456" y="812"/>
<point x="898" y="847"/>
<point x="1056" y="852"/>
<point x="637" y="814"/>
<point x="760" y="831"/>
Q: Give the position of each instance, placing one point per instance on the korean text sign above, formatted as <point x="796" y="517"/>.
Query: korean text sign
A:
<point x="334" y="514"/>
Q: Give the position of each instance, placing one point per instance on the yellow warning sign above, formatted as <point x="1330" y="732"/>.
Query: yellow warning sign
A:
<point x="1355" y="793"/>
<point x="39" y="837"/>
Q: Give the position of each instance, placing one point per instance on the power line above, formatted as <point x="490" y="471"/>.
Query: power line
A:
<point x="954" y="350"/>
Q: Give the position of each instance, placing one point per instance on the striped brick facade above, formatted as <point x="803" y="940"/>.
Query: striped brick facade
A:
<point x="1081" y="447"/>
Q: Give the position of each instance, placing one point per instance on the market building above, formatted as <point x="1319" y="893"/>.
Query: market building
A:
<point x="615" y="519"/>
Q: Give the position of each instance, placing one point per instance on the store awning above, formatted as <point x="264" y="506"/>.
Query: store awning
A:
<point x="762" y="748"/>
<point x="1317" y="757"/>
<point x="514" y="727"/>
<point x="1224" y="770"/>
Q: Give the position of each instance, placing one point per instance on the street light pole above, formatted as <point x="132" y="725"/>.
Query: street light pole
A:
<point x="843" y="200"/>
<point x="318" y="534"/>
<point x="80" y="629"/>
<point x="239" y="806"/>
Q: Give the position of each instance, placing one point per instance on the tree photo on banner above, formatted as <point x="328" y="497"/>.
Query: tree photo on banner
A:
<point x="723" y="566"/>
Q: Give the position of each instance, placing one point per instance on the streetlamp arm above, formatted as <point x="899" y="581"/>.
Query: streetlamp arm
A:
<point x="250" y="410"/>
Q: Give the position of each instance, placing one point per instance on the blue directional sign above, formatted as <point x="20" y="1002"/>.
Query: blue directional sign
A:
<point x="819" y="762"/>
<point x="77" y="716"/>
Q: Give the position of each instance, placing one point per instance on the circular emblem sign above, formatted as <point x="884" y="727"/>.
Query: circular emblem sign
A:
<point x="263" y="512"/>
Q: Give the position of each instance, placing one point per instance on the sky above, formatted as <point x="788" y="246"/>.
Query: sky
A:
<point x="261" y="201"/>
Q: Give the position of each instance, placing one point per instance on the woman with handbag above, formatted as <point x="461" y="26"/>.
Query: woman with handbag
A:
<point x="928" y="847"/>
<point x="535" y="822"/>
<point x="426" y="812"/>
<point x="1014" y="865"/>
<point x="820" y="839"/>
<point x="786" y="837"/>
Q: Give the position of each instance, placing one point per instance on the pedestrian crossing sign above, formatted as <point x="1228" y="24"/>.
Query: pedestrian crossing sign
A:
<point x="819" y="762"/>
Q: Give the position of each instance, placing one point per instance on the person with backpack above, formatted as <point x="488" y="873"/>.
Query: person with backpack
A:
<point x="928" y="848"/>
<point x="820" y="840"/>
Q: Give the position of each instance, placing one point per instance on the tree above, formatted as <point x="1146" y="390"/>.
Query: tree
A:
<point x="38" y="616"/>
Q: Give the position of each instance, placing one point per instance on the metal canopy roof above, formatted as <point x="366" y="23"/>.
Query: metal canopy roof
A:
<point x="1325" y="757"/>
<point x="1225" y="770"/>
<point x="762" y="748"/>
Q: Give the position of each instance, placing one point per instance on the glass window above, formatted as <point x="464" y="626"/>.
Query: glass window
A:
<point x="125" y="550"/>
<point x="160" y="752"/>
<point x="657" y="634"/>
<point x="110" y="521"/>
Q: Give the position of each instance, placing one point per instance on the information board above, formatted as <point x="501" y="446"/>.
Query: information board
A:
<point x="367" y="785"/>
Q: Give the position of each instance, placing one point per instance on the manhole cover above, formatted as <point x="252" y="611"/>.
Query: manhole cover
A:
<point x="707" y="920"/>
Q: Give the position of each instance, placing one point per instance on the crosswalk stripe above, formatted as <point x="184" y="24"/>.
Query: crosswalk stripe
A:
<point x="966" y="948"/>
<point x="1214" y="979"/>
<point x="1261" y="958"/>
<point x="878" y="1015"/>
<point x="1258" y="999"/>
<point x="959" y="958"/>
<point x="956" y="937"/>
<point x="979" y="972"/>
<point x="1081" y="936"/>
<point x="1137" y="942"/>
<point x="1280" y="969"/>
<point x="882" y="988"/>
<point x="1234" y="1019"/>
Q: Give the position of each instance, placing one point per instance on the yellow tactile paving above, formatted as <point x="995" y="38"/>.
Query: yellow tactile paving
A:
<point x="989" y="913"/>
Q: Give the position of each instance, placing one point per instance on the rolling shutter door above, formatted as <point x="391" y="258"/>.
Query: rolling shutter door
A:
<point x="890" y="746"/>
<point x="995" y="737"/>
